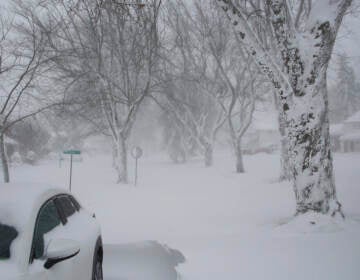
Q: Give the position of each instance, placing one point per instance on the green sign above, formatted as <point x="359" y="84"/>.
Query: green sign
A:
<point x="72" y="152"/>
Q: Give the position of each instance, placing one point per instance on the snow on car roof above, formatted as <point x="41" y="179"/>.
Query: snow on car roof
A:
<point x="17" y="202"/>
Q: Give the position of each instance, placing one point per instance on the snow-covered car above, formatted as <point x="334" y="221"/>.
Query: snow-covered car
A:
<point x="46" y="234"/>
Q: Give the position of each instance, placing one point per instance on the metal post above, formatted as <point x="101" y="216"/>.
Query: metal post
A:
<point x="71" y="159"/>
<point x="136" y="170"/>
<point x="136" y="153"/>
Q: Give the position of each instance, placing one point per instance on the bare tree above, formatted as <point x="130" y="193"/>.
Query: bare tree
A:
<point x="304" y="43"/>
<point x="285" y="167"/>
<point x="344" y="97"/>
<point x="236" y="70"/>
<point x="194" y="118"/>
<point x="190" y="86"/>
<point x="127" y="71"/>
<point x="21" y="60"/>
<point x="111" y="49"/>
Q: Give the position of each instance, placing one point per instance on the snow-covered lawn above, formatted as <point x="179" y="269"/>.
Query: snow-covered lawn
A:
<point x="228" y="226"/>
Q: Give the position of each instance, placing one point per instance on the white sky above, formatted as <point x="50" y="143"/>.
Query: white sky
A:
<point x="348" y="42"/>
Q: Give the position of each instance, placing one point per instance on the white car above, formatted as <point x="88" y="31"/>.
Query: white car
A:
<point x="46" y="234"/>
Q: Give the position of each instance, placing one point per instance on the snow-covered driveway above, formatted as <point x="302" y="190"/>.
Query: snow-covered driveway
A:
<point x="148" y="260"/>
<point x="227" y="225"/>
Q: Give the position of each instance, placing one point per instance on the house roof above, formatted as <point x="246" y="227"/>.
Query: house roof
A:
<point x="351" y="137"/>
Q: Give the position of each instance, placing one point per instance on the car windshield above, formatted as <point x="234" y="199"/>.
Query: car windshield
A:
<point x="7" y="236"/>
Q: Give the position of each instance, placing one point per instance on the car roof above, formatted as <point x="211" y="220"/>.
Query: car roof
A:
<point x="18" y="201"/>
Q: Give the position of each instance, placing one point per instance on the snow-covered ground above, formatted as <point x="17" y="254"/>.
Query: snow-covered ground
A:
<point x="148" y="260"/>
<point x="227" y="225"/>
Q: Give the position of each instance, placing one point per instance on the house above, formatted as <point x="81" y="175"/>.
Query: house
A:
<point x="11" y="146"/>
<point x="336" y="131"/>
<point x="350" y="140"/>
<point x="263" y="134"/>
<point x="345" y="137"/>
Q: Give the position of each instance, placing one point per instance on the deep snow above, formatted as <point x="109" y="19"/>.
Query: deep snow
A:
<point x="227" y="225"/>
<point x="148" y="260"/>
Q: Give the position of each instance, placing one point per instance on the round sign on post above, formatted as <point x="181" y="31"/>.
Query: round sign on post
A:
<point x="136" y="153"/>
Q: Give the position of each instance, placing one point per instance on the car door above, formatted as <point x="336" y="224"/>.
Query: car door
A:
<point x="79" y="226"/>
<point x="49" y="225"/>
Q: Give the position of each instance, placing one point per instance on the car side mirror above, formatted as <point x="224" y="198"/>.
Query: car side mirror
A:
<point x="60" y="250"/>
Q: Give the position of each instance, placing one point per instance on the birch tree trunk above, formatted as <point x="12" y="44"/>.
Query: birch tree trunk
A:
<point x="208" y="156"/>
<point x="300" y="81"/>
<point x="305" y="111"/>
<point x="310" y="153"/>
<point x="4" y="159"/>
<point x="120" y="160"/>
<point x="236" y="143"/>
<point x="285" y="170"/>
<point x="239" y="157"/>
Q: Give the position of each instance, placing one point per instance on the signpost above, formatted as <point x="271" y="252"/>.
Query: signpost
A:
<point x="60" y="159"/>
<point x="71" y="153"/>
<point x="136" y="153"/>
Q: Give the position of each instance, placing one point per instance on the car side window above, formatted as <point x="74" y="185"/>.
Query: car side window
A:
<point x="66" y="205"/>
<point x="7" y="235"/>
<point x="75" y="203"/>
<point x="48" y="219"/>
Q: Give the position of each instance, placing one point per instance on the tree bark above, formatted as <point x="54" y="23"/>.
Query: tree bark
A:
<point x="4" y="159"/>
<point x="285" y="169"/>
<point x="305" y="110"/>
<point x="239" y="158"/>
<point x="208" y="155"/>
<point x="301" y="86"/>
<point x="310" y="153"/>
<point x="121" y="160"/>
